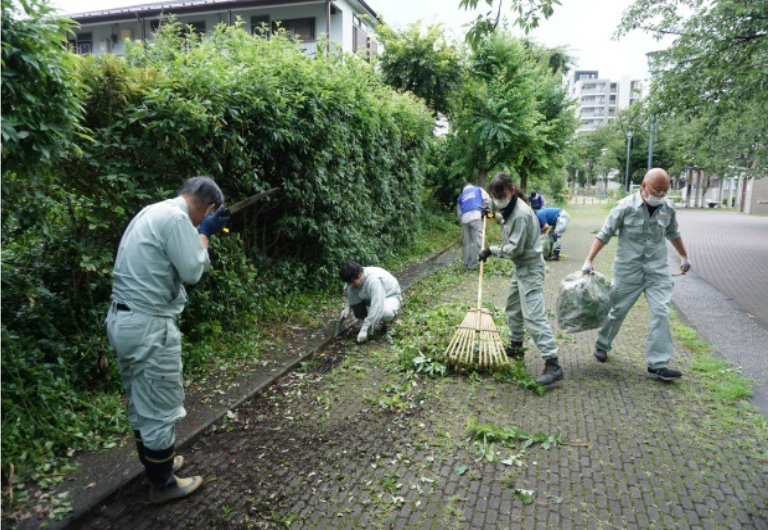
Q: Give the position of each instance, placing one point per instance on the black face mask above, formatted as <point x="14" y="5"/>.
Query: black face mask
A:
<point x="507" y="210"/>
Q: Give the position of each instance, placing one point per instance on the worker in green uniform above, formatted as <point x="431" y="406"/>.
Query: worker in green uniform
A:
<point x="160" y="251"/>
<point x="525" y="302"/>
<point x="644" y="221"/>
<point x="372" y="294"/>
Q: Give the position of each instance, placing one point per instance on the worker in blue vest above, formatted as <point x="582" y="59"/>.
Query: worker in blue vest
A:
<point x="554" y="221"/>
<point x="472" y="202"/>
<point x="537" y="201"/>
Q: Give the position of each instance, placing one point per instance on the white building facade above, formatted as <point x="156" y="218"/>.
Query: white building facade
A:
<point x="347" y="22"/>
<point x="598" y="100"/>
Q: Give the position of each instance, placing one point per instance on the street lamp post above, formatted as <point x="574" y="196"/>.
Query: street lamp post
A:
<point x="650" y="143"/>
<point x="626" y="172"/>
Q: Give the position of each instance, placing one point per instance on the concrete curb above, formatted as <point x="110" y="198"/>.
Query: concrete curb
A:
<point x="111" y="490"/>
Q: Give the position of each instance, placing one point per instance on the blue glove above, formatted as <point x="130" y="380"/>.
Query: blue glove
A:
<point x="213" y="223"/>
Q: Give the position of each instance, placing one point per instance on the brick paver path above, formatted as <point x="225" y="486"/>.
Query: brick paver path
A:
<point x="319" y="451"/>
<point x="730" y="251"/>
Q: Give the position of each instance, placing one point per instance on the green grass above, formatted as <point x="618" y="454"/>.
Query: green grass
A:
<point x="721" y="391"/>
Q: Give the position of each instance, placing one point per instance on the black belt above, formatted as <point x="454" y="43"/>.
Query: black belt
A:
<point x="122" y="307"/>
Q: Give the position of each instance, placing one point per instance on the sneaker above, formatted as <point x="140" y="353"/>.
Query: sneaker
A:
<point x="552" y="373"/>
<point x="515" y="350"/>
<point x="601" y="355"/>
<point x="555" y="256"/>
<point x="665" y="374"/>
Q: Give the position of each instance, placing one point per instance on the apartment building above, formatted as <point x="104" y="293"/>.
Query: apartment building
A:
<point x="346" y="22"/>
<point x="597" y="99"/>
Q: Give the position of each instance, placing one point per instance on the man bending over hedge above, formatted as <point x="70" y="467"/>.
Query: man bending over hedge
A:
<point x="160" y="250"/>
<point x="372" y="294"/>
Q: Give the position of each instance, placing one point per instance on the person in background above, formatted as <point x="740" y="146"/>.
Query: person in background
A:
<point x="372" y="294"/>
<point x="644" y="221"/>
<point x="472" y="202"/>
<point x="164" y="246"/>
<point x="525" y="302"/>
<point x="537" y="201"/>
<point x="553" y="221"/>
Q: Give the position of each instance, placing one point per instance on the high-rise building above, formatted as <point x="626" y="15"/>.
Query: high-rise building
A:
<point x="597" y="99"/>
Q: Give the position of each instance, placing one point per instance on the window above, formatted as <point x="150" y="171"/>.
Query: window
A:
<point x="359" y="35"/>
<point x="260" y="26"/>
<point x="83" y="44"/>
<point x="297" y="28"/>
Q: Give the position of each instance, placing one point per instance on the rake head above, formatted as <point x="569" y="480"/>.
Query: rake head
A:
<point x="476" y="343"/>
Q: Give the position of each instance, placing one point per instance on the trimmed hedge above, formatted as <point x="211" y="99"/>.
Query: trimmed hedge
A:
<point x="347" y="152"/>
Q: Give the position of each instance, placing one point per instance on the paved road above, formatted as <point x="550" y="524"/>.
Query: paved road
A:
<point x="323" y="450"/>
<point x="730" y="251"/>
<point x="726" y="294"/>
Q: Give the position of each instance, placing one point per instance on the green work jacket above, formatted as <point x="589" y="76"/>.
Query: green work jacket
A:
<point x="642" y="251"/>
<point x="159" y="252"/>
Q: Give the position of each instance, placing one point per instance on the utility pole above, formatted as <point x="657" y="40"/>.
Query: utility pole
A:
<point x="650" y="143"/>
<point x="626" y="172"/>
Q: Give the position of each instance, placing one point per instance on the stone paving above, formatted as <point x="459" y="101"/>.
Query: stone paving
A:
<point x="319" y="450"/>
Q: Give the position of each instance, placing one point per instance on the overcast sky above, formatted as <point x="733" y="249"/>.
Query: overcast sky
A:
<point x="586" y="27"/>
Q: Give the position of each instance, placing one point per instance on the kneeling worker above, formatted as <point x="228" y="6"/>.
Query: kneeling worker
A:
<point x="372" y="294"/>
<point x="160" y="250"/>
<point x="556" y="219"/>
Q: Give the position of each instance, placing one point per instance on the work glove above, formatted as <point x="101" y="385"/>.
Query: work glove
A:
<point x="487" y="212"/>
<point x="345" y="313"/>
<point x="213" y="223"/>
<point x="587" y="267"/>
<point x="362" y="336"/>
<point x="484" y="254"/>
<point x="499" y="218"/>
<point x="685" y="265"/>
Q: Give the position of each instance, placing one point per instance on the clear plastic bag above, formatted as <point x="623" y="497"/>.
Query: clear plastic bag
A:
<point x="583" y="302"/>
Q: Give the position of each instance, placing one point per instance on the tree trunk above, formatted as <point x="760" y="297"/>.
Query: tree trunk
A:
<point x="482" y="176"/>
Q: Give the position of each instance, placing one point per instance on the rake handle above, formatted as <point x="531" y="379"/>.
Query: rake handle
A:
<point x="480" y="279"/>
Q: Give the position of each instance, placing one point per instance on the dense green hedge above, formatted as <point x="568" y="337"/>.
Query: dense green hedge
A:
<point x="347" y="151"/>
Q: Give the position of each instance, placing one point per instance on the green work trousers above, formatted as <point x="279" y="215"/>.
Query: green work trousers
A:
<point x="658" y="293"/>
<point x="149" y="357"/>
<point x="525" y="308"/>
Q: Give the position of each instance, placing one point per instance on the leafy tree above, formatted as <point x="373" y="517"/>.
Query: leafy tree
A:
<point x="42" y="93"/>
<point x="495" y="118"/>
<point x="714" y="71"/>
<point x="425" y="62"/>
<point x="527" y="13"/>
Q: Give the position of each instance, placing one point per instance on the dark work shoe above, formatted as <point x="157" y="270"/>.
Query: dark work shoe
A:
<point x="665" y="374"/>
<point x="601" y="355"/>
<point x="555" y="256"/>
<point x="552" y="373"/>
<point x="515" y="350"/>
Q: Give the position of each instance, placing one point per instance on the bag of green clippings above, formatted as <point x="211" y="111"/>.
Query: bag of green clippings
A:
<point x="546" y="245"/>
<point x="583" y="302"/>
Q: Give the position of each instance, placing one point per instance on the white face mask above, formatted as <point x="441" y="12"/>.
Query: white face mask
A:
<point x="501" y="203"/>
<point x="653" y="200"/>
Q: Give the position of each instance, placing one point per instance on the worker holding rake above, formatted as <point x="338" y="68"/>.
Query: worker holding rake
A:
<point x="525" y="303"/>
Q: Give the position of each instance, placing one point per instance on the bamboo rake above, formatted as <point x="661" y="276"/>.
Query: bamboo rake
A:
<point x="476" y="342"/>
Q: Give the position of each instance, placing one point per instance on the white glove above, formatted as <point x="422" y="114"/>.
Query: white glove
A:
<point x="685" y="265"/>
<point x="362" y="336"/>
<point x="499" y="218"/>
<point x="587" y="267"/>
<point x="345" y="313"/>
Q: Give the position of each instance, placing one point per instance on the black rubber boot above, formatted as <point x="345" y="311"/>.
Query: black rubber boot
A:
<point x="515" y="350"/>
<point x="178" y="460"/>
<point x="552" y="373"/>
<point x="601" y="355"/>
<point x="164" y="486"/>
